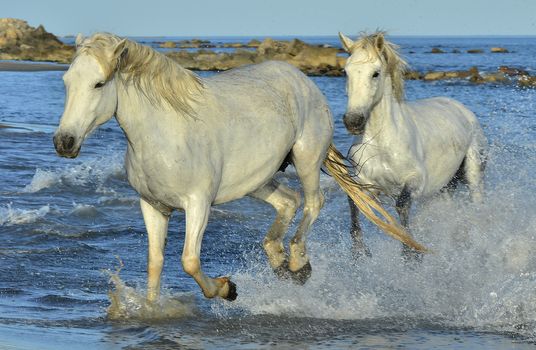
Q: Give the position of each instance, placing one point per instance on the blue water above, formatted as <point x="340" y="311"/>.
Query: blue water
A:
<point x="65" y="225"/>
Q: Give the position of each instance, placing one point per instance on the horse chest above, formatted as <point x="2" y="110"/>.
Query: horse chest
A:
<point x="388" y="170"/>
<point x="156" y="181"/>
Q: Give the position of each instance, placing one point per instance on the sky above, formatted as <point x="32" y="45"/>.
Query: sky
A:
<point x="277" y="17"/>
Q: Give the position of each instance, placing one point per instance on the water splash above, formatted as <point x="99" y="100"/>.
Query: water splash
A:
<point x="97" y="170"/>
<point x="10" y="216"/>
<point x="128" y="303"/>
<point x="481" y="274"/>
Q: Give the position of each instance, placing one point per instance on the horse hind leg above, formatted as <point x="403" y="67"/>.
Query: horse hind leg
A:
<point x="307" y="162"/>
<point x="458" y="178"/>
<point x="286" y="202"/>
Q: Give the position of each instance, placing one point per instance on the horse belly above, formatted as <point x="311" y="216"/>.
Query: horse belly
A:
<point x="245" y="174"/>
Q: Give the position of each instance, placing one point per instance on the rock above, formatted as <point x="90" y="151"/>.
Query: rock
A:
<point x="413" y="75"/>
<point x="253" y="43"/>
<point x="434" y="76"/>
<point x="437" y="50"/>
<point x="498" y="50"/>
<point x="475" y="76"/>
<point x="497" y="77"/>
<point x="311" y="59"/>
<point x="168" y="45"/>
<point x="512" y="71"/>
<point x="456" y="51"/>
<point x="475" y="51"/>
<point x="20" y="41"/>
<point x="234" y="45"/>
<point x="527" y="81"/>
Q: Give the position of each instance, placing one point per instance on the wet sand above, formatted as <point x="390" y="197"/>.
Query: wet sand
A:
<point x="31" y="67"/>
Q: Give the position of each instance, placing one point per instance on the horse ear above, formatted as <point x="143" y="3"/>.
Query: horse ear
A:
<point x="120" y="52"/>
<point x="346" y="42"/>
<point x="79" y="39"/>
<point x="379" y="42"/>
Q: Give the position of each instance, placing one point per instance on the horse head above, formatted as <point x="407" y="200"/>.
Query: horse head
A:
<point x="91" y="91"/>
<point x="373" y="70"/>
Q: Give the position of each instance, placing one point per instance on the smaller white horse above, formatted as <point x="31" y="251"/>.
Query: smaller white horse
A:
<point x="406" y="149"/>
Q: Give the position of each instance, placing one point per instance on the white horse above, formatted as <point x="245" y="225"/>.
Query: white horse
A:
<point x="196" y="142"/>
<point x="406" y="149"/>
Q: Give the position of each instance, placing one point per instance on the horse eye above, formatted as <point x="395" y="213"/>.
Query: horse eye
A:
<point x="376" y="74"/>
<point x="100" y="84"/>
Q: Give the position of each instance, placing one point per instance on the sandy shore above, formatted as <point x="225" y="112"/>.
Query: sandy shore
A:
<point x="31" y="67"/>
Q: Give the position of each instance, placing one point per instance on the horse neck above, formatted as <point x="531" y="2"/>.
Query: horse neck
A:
<point x="138" y="117"/>
<point x="385" y="117"/>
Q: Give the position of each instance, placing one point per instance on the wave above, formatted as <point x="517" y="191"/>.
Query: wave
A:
<point x="12" y="216"/>
<point x="97" y="171"/>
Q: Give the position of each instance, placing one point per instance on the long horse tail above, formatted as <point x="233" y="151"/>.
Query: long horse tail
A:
<point x="365" y="200"/>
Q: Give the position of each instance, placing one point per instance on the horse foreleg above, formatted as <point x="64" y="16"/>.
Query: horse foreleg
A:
<point x="403" y="205"/>
<point x="286" y="202"/>
<point x="157" y="226"/>
<point x="197" y="212"/>
<point x="359" y="247"/>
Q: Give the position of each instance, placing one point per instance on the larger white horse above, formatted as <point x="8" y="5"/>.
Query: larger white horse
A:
<point x="406" y="149"/>
<point x="195" y="142"/>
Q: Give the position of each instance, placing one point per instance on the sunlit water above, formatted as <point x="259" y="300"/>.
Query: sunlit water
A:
<point x="73" y="249"/>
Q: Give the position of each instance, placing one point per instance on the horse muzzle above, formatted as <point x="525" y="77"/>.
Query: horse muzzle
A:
<point x="65" y="145"/>
<point x="355" y="123"/>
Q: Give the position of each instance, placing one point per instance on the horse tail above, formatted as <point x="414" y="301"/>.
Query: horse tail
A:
<point x="365" y="200"/>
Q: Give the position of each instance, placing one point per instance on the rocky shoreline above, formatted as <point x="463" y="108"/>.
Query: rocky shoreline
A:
<point x="20" y="41"/>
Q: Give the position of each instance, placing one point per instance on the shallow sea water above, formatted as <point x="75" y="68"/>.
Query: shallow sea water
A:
<point x="73" y="249"/>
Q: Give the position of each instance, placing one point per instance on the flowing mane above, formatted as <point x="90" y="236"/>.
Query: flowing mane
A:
<point x="160" y="79"/>
<point x="396" y="65"/>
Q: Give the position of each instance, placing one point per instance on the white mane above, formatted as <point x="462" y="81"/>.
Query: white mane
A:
<point x="159" y="78"/>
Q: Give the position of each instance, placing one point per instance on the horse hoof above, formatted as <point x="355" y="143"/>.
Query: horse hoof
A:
<point x="282" y="271"/>
<point x="302" y="275"/>
<point x="231" y="294"/>
<point x="410" y="255"/>
<point x="359" y="252"/>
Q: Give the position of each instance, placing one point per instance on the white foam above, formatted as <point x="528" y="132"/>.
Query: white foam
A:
<point x="12" y="216"/>
<point x="42" y="179"/>
<point x="96" y="170"/>
<point x="131" y="303"/>
<point x="481" y="274"/>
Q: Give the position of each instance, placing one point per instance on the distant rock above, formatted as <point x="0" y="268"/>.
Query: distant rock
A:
<point x="20" y="41"/>
<point x="168" y="45"/>
<point x="475" y="51"/>
<point x="498" y="50"/>
<point x="512" y="71"/>
<point x="413" y="75"/>
<point x="437" y="50"/>
<point x="434" y="76"/>
<point x="311" y="59"/>
<point x="474" y="75"/>
<point x="496" y="77"/>
<point x="253" y="43"/>
<point x="527" y="81"/>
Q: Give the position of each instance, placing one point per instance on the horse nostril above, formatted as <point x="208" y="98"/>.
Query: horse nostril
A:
<point x="67" y="142"/>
